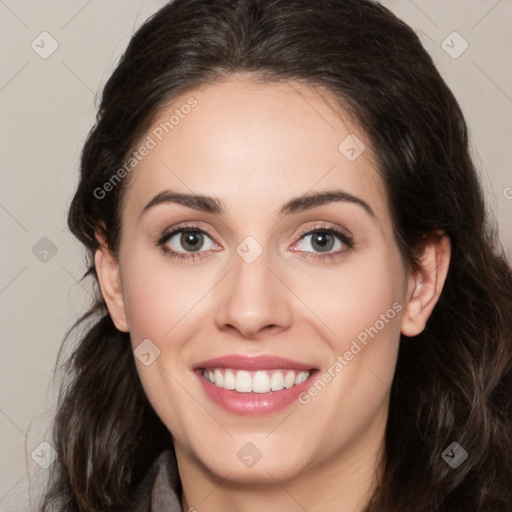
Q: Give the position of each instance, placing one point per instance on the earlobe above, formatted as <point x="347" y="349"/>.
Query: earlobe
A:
<point x="426" y="283"/>
<point x="107" y="269"/>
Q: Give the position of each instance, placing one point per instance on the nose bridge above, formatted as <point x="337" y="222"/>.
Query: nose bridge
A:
<point x="253" y="298"/>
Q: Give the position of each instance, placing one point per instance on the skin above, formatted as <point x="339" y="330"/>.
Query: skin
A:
<point x="255" y="146"/>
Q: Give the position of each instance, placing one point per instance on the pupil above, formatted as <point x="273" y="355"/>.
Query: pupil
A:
<point x="322" y="242"/>
<point x="191" y="239"/>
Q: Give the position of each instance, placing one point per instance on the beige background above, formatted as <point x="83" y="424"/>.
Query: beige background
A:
<point x="47" y="107"/>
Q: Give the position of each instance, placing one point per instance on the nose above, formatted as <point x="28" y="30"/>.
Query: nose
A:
<point x="254" y="301"/>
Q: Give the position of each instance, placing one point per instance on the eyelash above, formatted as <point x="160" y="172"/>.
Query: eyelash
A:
<point x="342" y="236"/>
<point x="346" y="239"/>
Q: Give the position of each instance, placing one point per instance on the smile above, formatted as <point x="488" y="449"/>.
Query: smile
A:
<point x="259" y="381"/>
<point x="253" y="386"/>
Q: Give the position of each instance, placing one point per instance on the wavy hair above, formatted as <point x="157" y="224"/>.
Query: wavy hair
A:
<point x="452" y="382"/>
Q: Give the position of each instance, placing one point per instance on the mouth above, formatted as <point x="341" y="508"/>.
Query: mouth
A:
<point x="252" y="386"/>
<point x="259" y="381"/>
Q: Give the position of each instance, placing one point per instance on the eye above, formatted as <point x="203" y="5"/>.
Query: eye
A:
<point x="187" y="242"/>
<point x="326" y="242"/>
<point x="192" y="242"/>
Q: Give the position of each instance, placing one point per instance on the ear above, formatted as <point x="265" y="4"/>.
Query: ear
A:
<point x="426" y="283"/>
<point x="107" y="269"/>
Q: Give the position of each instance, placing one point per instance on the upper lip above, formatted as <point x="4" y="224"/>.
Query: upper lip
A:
<point x="263" y="362"/>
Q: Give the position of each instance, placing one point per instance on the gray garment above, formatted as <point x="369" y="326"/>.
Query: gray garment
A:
<point x="160" y="490"/>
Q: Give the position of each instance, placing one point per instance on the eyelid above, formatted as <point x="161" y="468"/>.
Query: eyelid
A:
<point x="343" y="235"/>
<point x="170" y="232"/>
<point x="325" y="226"/>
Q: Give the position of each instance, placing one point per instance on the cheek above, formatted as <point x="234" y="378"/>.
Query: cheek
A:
<point x="157" y="295"/>
<point x="357" y="299"/>
<point x="360" y="308"/>
<point x="161" y="304"/>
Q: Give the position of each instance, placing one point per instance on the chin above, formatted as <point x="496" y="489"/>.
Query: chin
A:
<point x="248" y="464"/>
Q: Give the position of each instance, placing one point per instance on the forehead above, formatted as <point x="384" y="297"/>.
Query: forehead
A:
<point x="254" y="145"/>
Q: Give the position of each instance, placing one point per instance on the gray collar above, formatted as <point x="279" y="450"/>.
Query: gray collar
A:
<point x="164" y="497"/>
<point x="161" y="489"/>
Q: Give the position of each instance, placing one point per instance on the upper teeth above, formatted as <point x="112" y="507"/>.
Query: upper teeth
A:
<point x="261" y="381"/>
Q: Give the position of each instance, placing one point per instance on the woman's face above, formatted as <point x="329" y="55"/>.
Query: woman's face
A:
<point x="275" y="288"/>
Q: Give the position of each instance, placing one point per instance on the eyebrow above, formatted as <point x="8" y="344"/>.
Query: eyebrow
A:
<point x="210" y="204"/>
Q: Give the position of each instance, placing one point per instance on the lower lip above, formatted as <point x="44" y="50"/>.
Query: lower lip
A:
<point x="253" y="404"/>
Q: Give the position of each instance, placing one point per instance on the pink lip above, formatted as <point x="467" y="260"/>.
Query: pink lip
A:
<point x="252" y="404"/>
<point x="238" y="362"/>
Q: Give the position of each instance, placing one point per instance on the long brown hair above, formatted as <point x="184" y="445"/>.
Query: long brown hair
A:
<point x="453" y="381"/>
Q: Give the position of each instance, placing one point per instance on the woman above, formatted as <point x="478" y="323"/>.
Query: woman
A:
<point x="300" y="303"/>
